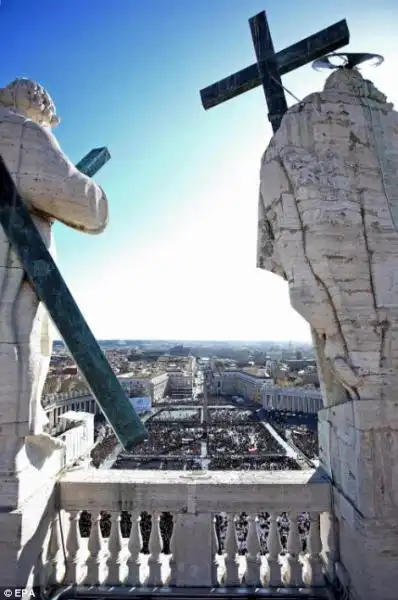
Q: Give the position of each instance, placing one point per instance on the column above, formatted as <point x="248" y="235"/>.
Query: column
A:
<point x="193" y="552"/>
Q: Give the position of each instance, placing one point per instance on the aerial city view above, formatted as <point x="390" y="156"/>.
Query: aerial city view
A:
<point x="198" y="386"/>
<point x="244" y="406"/>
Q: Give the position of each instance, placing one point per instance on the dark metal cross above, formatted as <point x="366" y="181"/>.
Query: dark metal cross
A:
<point x="52" y="290"/>
<point x="271" y="66"/>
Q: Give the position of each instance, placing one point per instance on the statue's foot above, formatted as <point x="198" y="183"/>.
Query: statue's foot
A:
<point x="45" y="443"/>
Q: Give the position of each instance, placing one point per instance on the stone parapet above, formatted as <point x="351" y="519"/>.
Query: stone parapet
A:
<point x="101" y="550"/>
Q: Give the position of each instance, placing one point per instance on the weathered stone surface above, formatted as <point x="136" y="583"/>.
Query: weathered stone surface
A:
<point x="328" y="219"/>
<point x="24" y="534"/>
<point x="296" y="491"/>
<point x="194" y="560"/>
<point x="368" y="551"/>
<point x="359" y="449"/>
<point x="327" y="196"/>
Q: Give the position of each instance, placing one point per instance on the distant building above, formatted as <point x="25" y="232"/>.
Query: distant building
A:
<point x="255" y="385"/>
<point x="180" y="351"/>
<point x="249" y="385"/>
<point x="294" y="400"/>
<point x="152" y="385"/>
<point x="180" y="383"/>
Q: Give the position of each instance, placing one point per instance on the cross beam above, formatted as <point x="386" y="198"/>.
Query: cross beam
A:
<point x="271" y="66"/>
<point x="63" y="310"/>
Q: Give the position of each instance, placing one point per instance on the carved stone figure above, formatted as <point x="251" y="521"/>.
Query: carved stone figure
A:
<point x="328" y="217"/>
<point x="53" y="190"/>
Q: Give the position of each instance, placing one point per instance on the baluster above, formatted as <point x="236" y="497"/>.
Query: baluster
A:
<point x="274" y="547"/>
<point x="54" y="551"/>
<point x="214" y="552"/>
<point x="114" y="558"/>
<point x="134" y="549"/>
<point x="73" y="549"/>
<point x="253" y="561"/>
<point x="155" y="547"/>
<point x="95" y="548"/>
<point x="293" y="568"/>
<point x="231" y="559"/>
<point x="172" y="580"/>
<point x="313" y="572"/>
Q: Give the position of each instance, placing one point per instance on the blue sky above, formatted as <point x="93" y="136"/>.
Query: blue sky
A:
<point x="178" y="257"/>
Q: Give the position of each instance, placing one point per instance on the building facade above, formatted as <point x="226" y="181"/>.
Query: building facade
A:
<point x="261" y="389"/>
<point x="180" y="383"/>
<point x="297" y="399"/>
<point x="239" y="383"/>
<point x="154" y="386"/>
<point x="57" y="405"/>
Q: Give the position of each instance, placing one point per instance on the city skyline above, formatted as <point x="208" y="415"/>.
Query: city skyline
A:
<point x="178" y="258"/>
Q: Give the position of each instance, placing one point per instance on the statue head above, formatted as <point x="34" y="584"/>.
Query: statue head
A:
<point x="31" y="99"/>
<point x="351" y="83"/>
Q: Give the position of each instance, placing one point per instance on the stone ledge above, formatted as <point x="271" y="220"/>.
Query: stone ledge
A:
<point x="214" y="491"/>
<point x="115" y="592"/>
<point x="132" y="476"/>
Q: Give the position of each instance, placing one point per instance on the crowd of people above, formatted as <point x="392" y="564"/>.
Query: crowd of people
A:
<point x="242" y="439"/>
<point x="106" y="443"/>
<point x="234" y="439"/>
<point x="301" y="430"/>
<point x="188" y="401"/>
<point x="167" y="439"/>
<point x="273" y="463"/>
<point x="306" y="441"/>
<point x="263" y="525"/>
<point x="183" y="416"/>
<point x="226" y="416"/>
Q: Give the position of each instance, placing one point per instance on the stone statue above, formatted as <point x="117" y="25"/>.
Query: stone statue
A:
<point x="328" y="217"/>
<point x="53" y="190"/>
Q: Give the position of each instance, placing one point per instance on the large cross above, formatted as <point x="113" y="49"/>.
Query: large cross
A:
<point x="63" y="310"/>
<point x="270" y="66"/>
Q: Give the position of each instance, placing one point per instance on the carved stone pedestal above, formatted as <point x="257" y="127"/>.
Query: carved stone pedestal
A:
<point x="24" y="536"/>
<point x="27" y="482"/>
<point x="368" y="552"/>
<point x="358" y="448"/>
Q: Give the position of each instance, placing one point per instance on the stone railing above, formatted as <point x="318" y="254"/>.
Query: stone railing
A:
<point x="158" y="528"/>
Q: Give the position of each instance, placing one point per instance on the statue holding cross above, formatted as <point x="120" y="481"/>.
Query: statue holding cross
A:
<point x="38" y="184"/>
<point x="53" y="190"/>
<point x="328" y="209"/>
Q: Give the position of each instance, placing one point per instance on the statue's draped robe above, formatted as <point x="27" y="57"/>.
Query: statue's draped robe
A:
<point x="328" y="192"/>
<point x="53" y="190"/>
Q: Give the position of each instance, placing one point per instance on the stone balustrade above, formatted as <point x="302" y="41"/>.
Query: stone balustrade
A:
<point x="162" y="528"/>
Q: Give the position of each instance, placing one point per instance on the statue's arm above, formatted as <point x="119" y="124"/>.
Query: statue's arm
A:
<point x="52" y="185"/>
